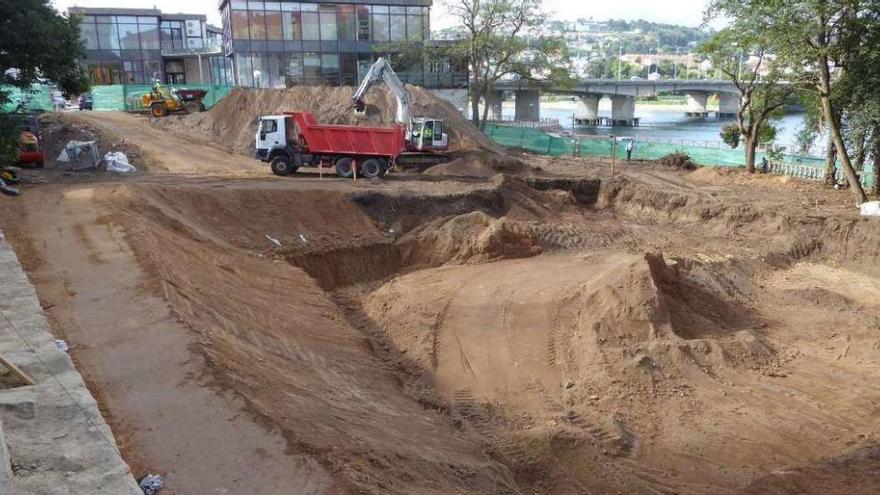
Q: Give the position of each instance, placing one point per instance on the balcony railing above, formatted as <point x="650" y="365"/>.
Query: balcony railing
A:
<point x="178" y="48"/>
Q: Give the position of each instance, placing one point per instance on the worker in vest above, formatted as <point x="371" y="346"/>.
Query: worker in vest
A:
<point x="629" y="149"/>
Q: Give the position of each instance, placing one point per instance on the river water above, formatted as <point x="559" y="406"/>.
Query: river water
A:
<point x="666" y="122"/>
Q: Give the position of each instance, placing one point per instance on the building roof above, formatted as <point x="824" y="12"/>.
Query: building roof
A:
<point x="112" y="11"/>
<point x="413" y="3"/>
<point x="144" y="12"/>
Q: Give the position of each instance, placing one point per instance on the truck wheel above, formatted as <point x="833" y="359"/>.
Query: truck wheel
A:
<point x="371" y="168"/>
<point x="344" y="167"/>
<point x="158" y="110"/>
<point x="281" y="166"/>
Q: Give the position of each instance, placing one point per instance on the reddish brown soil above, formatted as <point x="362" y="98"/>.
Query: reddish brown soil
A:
<point x="567" y="332"/>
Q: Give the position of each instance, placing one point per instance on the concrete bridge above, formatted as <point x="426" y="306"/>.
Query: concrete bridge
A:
<point x="623" y="96"/>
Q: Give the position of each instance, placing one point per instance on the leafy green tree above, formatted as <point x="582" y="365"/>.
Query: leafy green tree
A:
<point x="857" y="96"/>
<point x="762" y="95"/>
<point x="613" y="64"/>
<point x="730" y="134"/>
<point x="496" y="44"/>
<point x="36" y="43"/>
<point x="666" y="68"/>
<point x="816" y="41"/>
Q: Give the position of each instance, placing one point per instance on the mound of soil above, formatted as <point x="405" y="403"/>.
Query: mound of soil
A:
<point x="678" y="160"/>
<point x="233" y="120"/>
<point x="480" y="164"/>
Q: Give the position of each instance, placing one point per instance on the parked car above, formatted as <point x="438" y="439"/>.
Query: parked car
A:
<point x="86" y="102"/>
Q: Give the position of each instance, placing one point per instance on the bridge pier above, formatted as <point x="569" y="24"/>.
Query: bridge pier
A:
<point x="496" y="99"/>
<point x="623" y="111"/>
<point x="528" y="105"/>
<point x="728" y="104"/>
<point x="696" y="104"/>
<point x="587" y="110"/>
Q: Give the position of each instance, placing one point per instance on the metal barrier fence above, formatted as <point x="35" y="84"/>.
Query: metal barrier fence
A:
<point x="554" y="144"/>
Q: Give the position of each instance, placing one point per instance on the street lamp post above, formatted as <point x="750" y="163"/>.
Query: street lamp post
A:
<point x="675" y="65"/>
<point x="619" y="55"/>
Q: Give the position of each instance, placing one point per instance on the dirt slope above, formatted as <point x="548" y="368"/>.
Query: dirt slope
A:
<point x="659" y="332"/>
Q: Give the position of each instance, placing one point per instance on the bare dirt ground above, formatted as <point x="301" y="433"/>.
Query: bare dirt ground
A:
<point x="558" y="331"/>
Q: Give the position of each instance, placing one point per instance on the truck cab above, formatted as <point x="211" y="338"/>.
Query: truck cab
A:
<point x="273" y="134"/>
<point x="428" y="135"/>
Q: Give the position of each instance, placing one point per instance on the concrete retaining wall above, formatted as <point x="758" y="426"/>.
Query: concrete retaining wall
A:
<point x="56" y="439"/>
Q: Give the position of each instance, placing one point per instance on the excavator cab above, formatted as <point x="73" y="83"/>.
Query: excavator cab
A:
<point x="427" y="135"/>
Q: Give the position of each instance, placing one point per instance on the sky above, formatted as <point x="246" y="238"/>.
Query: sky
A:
<point x="685" y="12"/>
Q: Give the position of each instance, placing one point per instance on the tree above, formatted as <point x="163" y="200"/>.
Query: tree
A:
<point x="730" y="134"/>
<point x="859" y="105"/>
<point x="497" y="44"/>
<point x="36" y="43"/>
<point x="816" y="41"/>
<point x="762" y="95"/>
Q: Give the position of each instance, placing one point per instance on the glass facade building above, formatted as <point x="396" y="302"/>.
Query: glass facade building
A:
<point x="137" y="46"/>
<point x="281" y="44"/>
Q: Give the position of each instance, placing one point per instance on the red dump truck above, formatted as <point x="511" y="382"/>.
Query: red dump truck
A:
<point x="295" y="139"/>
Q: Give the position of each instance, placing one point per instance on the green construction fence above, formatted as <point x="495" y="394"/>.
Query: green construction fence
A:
<point x="127" y="96"/>
<point x="552" y="144"/>
<point x="37" y="98"/>
<point x="108" y="97"/>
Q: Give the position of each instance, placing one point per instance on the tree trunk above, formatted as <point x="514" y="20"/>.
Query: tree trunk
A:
<point x="834" y="132"/>
<point x="876" y="158"/>
<point x="851" y="177"/>
<point x="475" y="104"/>
<point x="751" y="147"/>
<point x="830" y="162"/>
<point x="486" y="105"/>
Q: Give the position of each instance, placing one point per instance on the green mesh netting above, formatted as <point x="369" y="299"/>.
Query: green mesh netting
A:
<point x="544" y="143"/>
<point x="38" y="97"/>
<point x="128" y="96"/>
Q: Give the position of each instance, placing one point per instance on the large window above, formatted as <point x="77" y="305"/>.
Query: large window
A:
<point x="240" y="25"/>
<point x="330" y="68"/>
<point x="277" y="66"/>
<point x="414" y="24"/>
<point x="294" y="70"/>
<point x="328" y="23"/>
<point x="257" y="23"/>
<point x="128" y="37"/>
<point x="152" y="71"/>
<point x="105" y="73"/>
<point x="398" y="23"/>
<point x="108" y="37"/>
<point x="243" y="70"/>
<point x="310" y="24"/>
<point x="311" y="68"/>
<point x="349" y="68"/>
<point x="88" y="33"/>
<point x="149" y="36"/>
<point x="134" y="71"/>
<point x="172" y="34"/>
<point x="274" y="25"/>
<point x="381" y="23"/>
<point x="363" y="23"/>
<point x="347" y="23"/>
<point x="260" y="70"/>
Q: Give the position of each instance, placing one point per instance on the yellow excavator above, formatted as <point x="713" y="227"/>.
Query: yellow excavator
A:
<point x="161" y="101"/>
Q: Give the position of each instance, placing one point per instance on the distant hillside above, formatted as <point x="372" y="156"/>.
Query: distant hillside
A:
<point x="639" y="36"/>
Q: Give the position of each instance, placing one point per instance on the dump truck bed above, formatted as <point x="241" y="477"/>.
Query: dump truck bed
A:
<point x="388" y="142"/>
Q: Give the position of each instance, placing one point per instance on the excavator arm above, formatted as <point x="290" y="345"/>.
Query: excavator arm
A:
<point x="382" y="70"/>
